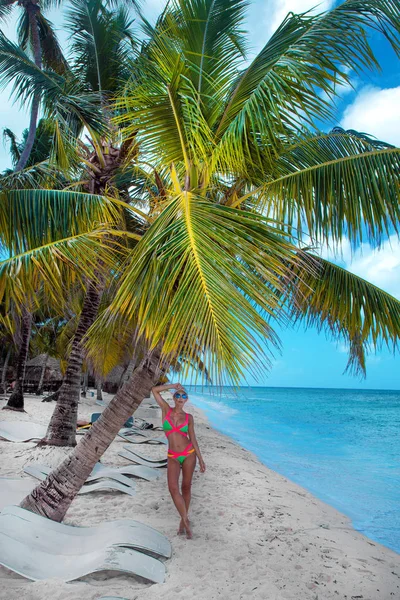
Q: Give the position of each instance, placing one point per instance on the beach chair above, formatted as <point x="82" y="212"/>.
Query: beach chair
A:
<point x="142" y="436"/>
<point x="65" y="539"/>
<point x="121" y="474"/>
<point x="21" y="431"/>
<point x="142" y="472"/>
<point x="142" y="460"/>
<point x="128" y="487"/>
<point x="14" y="489"/>
<point x="38" y="565"/>
<point x="128" y="423"/>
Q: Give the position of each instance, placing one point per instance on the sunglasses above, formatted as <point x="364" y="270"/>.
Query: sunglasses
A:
<point x="183" y="396"/>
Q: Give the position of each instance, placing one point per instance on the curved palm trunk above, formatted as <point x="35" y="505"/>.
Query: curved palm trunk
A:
<point x="62" y="426"/>
<point x="16" y="400"/>
<point x="25" y="154"/>
<point x="4" y="372"/>
<point x="53" y="497"/>
<point x="32" y="9"/>
<point x="129" y="369"/>
<point x="42" y="374"/>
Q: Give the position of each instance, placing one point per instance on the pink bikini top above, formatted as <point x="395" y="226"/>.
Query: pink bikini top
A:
<point x="171" y="428"/>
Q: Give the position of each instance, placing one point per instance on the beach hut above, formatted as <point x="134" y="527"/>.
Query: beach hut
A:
<point x="42" y="373"/>
<point x="113" y="380"/>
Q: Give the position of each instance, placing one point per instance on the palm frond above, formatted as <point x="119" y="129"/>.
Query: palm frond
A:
<point x="6" y="7"/>
<point x="212" y="41"/>
<point x="54" y="267"/>
<point x="345" y="306"/>
<point x="52" y="55"/>
<point x="102" y="44"/>
<point x="63" y="98"/>
<point x="39" y="175"/>
<point x="135" y="4"/>
<point x="189" y="286"/>
<point x="15" y="152"/>
<point x="335" y="185"/>
<point x="281" y="89"/>
<point x="34" y="218"/>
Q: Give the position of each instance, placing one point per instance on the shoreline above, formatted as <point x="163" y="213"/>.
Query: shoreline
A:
<point x="256" y="534"/>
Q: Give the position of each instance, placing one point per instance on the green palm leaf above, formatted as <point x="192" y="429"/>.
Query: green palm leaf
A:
<point x="6" y="8"/>
<point x="281" y="88"/>
<point x="347" y="307"/>
<point x="199" y="279"/>
<point x="10" y="136"/>
<point x="335" y="185"/>
<point x="40" y="175"/>
<point x="34" y="218"/>
<point x="213" y="43"/>
<point x="53" y="268"/>
<point x="63" y="99"/>
<point x="102" y="44"/>
<point x="51" y="52"/>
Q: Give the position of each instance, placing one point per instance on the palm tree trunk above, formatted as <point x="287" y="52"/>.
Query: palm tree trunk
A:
<point x="16" y="400"/>
<point x="25" y="154"/>
<point x="98" y="388"/>
<point x="62" y="427"/>
<point x="42" y="374"/>
<point x="32" y="10"/>
<point x="4" y="372"/>
<point x="129" y="369"/>
<point x="53" y="497"/>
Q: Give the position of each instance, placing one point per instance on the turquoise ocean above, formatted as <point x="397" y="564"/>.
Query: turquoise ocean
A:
<point x="342" y="445"/>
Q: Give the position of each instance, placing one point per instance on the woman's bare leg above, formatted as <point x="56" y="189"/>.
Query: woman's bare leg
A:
<point x="174" y="470"/>
<point x="187" y="475"/>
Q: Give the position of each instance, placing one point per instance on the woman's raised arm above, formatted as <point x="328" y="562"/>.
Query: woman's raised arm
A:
<point x="162" y="388"/>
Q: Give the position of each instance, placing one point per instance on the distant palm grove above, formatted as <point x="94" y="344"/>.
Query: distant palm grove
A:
<point x="168" y="201"/>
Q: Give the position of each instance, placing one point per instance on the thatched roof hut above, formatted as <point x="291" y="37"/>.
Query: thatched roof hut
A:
<point x="113" y="380"/>
<point x="35" y="366"/>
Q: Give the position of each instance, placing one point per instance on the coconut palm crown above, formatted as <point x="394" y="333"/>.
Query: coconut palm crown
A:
<point x="247" y="185"/>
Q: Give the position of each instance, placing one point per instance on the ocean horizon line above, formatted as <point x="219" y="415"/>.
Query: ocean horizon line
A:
<point x="292" y="387"/>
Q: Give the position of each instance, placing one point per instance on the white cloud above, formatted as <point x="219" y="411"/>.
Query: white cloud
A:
<point x="375" y="111"/>
<point x="277" y="10"/>
<point x="343" y="348"/>
<point x="380" y="266"/>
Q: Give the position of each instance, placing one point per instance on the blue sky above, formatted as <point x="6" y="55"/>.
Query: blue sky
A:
<point x="309" y="359"/>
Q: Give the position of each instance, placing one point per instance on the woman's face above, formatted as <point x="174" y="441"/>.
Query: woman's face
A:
<point x="180" y="399"/>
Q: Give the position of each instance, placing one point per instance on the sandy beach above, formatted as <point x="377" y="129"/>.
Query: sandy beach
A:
<point x="257" y="535"/>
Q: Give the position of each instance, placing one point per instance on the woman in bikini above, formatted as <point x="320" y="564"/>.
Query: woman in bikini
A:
<point x="182" y="450"/>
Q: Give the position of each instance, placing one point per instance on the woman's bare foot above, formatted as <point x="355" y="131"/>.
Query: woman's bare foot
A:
<point x="181" y="530"/>
<point x="189" y="534"/>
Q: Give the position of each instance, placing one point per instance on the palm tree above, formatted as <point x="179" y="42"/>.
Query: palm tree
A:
<point x="36" y="35"/>
<point x="102" y="49"/>
<point x="44" y="233"/>
<point x="7" y="328"/>
<point x="245" y="181"/>
<point x="67" y="108"/>
<point x="41" y="148"/>
<point x="47" y="329"/>
<point x="16" y="399"/>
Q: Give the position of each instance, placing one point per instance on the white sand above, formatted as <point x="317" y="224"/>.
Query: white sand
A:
<point x="256" y="534"/>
